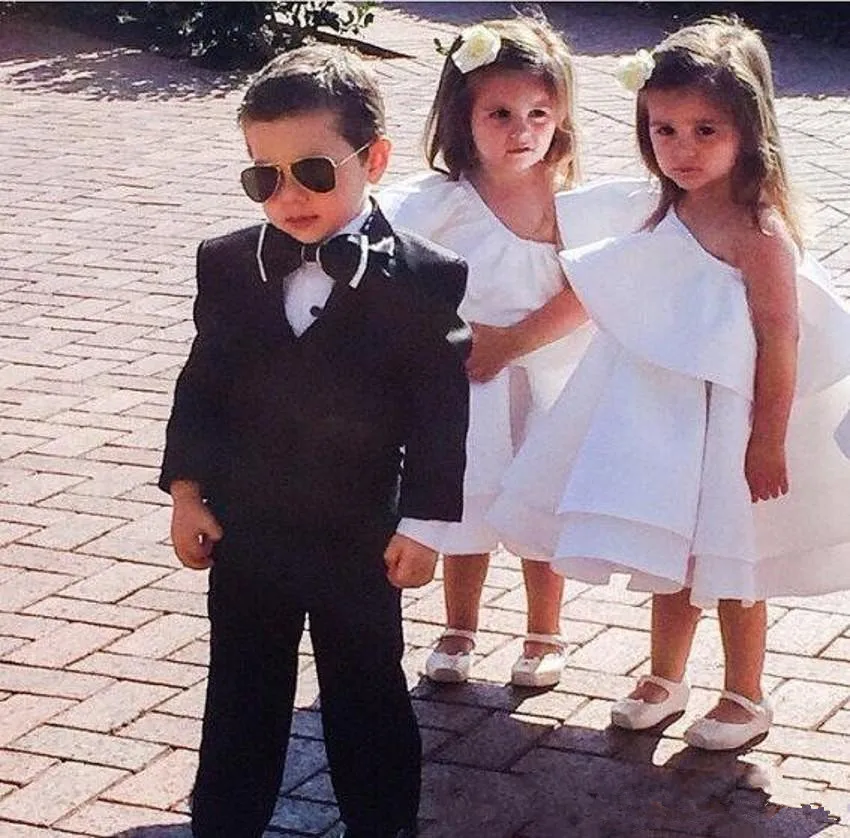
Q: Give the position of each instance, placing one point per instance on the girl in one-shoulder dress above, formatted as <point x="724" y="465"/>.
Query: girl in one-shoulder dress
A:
<point x="693" y="448"/>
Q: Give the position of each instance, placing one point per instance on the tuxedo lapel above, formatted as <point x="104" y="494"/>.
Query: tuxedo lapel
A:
<point x="276" y="258"/>
<point x="379" y="246"/>
<point x="278" y="255"/>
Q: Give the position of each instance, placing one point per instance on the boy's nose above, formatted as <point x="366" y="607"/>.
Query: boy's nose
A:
<point x="288" y="189"/>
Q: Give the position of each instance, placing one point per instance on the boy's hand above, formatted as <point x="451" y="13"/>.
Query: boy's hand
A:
<point x="765" y="469"/>
<point x="409" y="563"/>
<point x="194" y="528"/>
<point x="492" y="350"/>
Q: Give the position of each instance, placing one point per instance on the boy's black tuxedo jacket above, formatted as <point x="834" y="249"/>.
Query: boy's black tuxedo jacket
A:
<point x="309" y="431"/>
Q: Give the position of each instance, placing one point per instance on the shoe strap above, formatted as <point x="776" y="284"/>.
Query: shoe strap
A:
<point x="464" y="633"/>
<point x="757" y="710"/>
<point x="553" y="639"/>
<point x="664" y="683"/>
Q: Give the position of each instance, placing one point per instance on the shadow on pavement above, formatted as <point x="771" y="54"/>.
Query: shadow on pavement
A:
<point x="513" y="777"/>
<point x="801" y="68"/>
<point x="46" y="59"/>
<point x="503" y="774"/>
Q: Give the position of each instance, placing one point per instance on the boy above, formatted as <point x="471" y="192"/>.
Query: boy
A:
<point x="284" y="452"/>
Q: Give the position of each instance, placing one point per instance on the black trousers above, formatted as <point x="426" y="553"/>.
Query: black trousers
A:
<point x="264" y="580"/>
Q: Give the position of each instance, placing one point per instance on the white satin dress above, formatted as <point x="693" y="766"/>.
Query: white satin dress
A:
<point x="639" y="466"/>
<point x="509" y="277"/>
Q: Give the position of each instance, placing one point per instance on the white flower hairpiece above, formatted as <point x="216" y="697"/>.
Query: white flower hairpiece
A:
<point x="633" y="71"/>
<point x="479" y="46"/>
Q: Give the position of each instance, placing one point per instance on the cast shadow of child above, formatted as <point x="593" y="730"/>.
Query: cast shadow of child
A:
<point x="502" y="764"/>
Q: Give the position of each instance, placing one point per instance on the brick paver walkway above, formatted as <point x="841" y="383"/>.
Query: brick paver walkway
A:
<point x="114" y="165"/>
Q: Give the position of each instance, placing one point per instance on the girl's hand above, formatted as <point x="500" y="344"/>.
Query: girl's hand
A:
<point x="765" y="469"/>
<point x="492" y="351"/>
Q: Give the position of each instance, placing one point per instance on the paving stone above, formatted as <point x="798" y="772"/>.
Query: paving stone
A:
<point x="65" y="645"/>
<point x="188" y="703"/>
<point x="304" y="817"/>
<point x="161" y="636"/>
<point x="115" y="583"/>
<point x="20" y="768"/>
<point x="834" y="773"/>
<point x="161" y="784"/>
<point x="49" y="682"/>
<point x="114" y="706"/>
<point x="838" y="649"/>
<point x="806" y="704"/>
<point x="86" y="746"/>
<point x="21" y="713"/>
<point x="141" y="669"/>
<point x="495" y="743"/>
<point x="30" y="586"/>
<point x="26" y="626"/>
<point x="57" y="792"/>
<point x="52" y="561"/>
<point x="97" y="613"/>
<point x="72" y="532"/>
<point x="21" y="830"/>
<point x="804" y="632"/>
<point x="179" y="732"/>
<point x="111" y="819"/>
<point x="807" y="669"/>
<point x="615" y="650"/>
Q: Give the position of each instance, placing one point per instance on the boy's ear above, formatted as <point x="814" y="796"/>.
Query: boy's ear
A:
<point x="378" y="159"/>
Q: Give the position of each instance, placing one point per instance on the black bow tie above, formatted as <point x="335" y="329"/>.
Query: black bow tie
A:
<point x="345" y="258"/>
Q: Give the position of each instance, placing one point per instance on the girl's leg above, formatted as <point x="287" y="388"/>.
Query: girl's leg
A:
<point x="744" y="632"/>
<point x="544" y="591"/>
<point x="674" y="621"/>
<point x="463" y="582"/>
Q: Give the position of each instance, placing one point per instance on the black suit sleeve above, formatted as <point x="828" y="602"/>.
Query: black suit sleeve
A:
<point x="195" y="433"/>
<point x="438" y="393"/>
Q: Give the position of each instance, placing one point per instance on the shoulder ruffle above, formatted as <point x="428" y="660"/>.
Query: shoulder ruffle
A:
<point x="428" y="204"/>
<point x="603" y="208"/>
<point x="666" y="300"/>
<point x="663" y="297"/>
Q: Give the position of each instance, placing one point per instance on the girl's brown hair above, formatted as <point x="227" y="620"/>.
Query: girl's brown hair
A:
<point x="726" y="61"/>
<point x="528" y="44"/>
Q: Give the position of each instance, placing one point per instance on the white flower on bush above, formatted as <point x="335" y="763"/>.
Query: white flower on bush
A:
<point x="633" y="71"/>
<point x="479" y="46"/>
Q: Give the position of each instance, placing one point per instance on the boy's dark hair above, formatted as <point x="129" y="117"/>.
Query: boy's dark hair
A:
<point x="317" y="78"/>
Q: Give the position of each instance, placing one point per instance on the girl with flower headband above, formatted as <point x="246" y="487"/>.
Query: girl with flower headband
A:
<point x="693" y="446"/>
<point x="501" y="137"/>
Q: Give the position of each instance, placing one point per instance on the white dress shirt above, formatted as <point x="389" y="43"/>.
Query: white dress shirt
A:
<point x="306" y="289"/>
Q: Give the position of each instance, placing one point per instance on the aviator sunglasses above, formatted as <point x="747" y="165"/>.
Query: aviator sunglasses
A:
<point x="318" y="174"/>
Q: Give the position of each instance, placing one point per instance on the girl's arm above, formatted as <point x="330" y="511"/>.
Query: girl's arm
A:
<point x="768" y="265"/>
<point x="494" y="347"/>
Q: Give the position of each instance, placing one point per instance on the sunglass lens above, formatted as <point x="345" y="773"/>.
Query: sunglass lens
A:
<point x="260" y="182"/>
<point x="315" y="173"/>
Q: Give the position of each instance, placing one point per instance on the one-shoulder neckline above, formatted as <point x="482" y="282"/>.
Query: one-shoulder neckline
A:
<point x="688" y="233"/>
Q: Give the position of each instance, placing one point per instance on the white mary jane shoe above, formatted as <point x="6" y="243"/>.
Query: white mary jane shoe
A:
<point x="716" y="735"/>
<point x="541" y="670"/>
<point x="637" y="714"/>
<point x="451" y="669"/>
